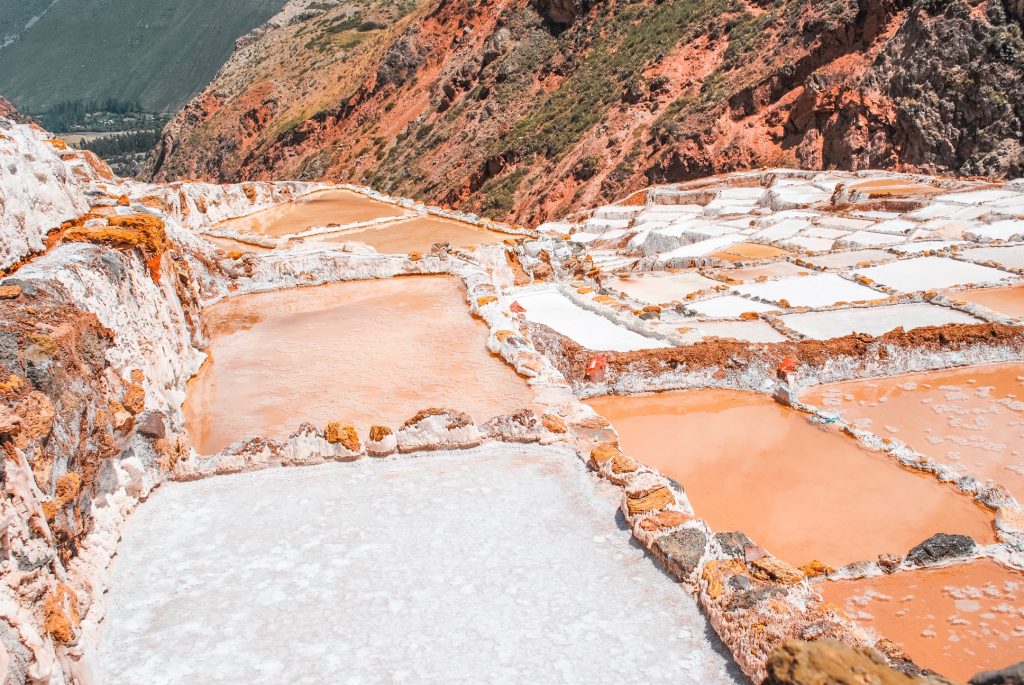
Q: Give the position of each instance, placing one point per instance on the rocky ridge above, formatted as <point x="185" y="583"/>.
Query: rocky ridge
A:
<point x="531" y="109"/>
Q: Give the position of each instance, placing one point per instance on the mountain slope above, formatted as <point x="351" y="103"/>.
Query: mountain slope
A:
<point x="528" y="109"/>
<point x="161" y="53"/>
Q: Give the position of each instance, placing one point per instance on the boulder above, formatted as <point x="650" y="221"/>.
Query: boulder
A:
<point x="681" y="551"/>
<point x="940" y="547"/>
<point x="151" y="425"/>
<point x="1011" y="675"/>
<point x="827" y="662"/>
<point x="771" y="568"/>
<point x="734" y="543"/>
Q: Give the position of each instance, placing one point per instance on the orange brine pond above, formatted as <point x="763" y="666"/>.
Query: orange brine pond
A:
<point x="971" y="418"/>
<point x="893" y="187"/>
<point x="323" y="208"/>
<point x="1007" y="301"/>
<point x="956" y="620"/>
<point x="802" y="491"/>
<point x="744" y="251"/>
<point x="360" y="352"/>
<point x="418" y="235"/>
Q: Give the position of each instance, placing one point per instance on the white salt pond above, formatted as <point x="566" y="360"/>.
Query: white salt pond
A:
<point x="927" y="273"/>
<point x="820" y="290"/>
<point x="593" y="331"/>
<point x="728" y="306"/>
<point x="876" y="321"/>
<point x="1010" y="256"/>
<point x="498" y="565"/>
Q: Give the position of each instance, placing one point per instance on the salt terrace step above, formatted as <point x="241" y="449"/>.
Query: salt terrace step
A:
<point x="970" y="418"/>
<point x="662" y="287"/>
<point x="324" y="208"/>
<point x="765" y="271"/>
<point x="418" y="235"/>
<point x="1008" y="301"/>
<point x="593" y="331"/>
<point x="819" y="290"/>
<point x="804" y="492"/>
<point x="496" y="565"/>
<point x="927" y="273"/>
<point x="1009" y="257"/>
<point x="728" y="306"/>
<point x="872" y="320"/>
<point x="361" y="352"/>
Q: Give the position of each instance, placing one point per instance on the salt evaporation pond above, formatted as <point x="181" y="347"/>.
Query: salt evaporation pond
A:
<point x="660" y="287"/>
<point x="971" y="418"/>
<point x="593" y="331"/>
<point x="323" y="208"/>
<point x="804" y="492"/>
<point x="957" y="620"/>
<point x="418" y="235"/>
<point x="498" y="565"/>
<point x="1008" y="301"/>
<point x="361" y="352"/>
<point x="747" y="251"/>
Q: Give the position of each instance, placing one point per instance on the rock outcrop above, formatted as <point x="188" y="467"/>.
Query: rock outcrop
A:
<point x="533" y="109"/>
<point x="827" y="662"/>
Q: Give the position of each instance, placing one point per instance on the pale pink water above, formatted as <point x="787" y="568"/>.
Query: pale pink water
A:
<point x="957" y="620"/>
<point x="360" y="352"/>
<point x="971" y="418"/>
<point x="661" y="288"/>
<point x="764" y="271"/>
<point x="1008" y="301"/>
<point x="750" y="464"/>
<point x="324" y="208"/>
<point x="419" y="234"/>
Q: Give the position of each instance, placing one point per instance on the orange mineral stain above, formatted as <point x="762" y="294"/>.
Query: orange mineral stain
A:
<point x="361" y="352"/>
<point x="802" y="491"/>
<point x="957" y="620"/>
<point x="971" y="418"/>
<point x="1008" y="301"/>
<point x="324" y="208"/>
<point x="418" y="235"/>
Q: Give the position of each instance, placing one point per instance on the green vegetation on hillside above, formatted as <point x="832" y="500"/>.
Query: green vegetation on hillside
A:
<point x="156" y="53"/>
<point x="630" y="37"/>
<point x="81" y="115"/>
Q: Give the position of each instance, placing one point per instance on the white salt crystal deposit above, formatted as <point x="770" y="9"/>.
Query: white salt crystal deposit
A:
<point x="501" y="565"/>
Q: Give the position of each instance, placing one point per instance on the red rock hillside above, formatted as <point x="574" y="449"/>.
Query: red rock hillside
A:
<point x="528" y="109"/>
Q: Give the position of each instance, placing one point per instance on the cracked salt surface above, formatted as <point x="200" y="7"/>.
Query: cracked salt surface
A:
<point x="502" y="564"/>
